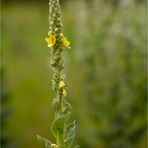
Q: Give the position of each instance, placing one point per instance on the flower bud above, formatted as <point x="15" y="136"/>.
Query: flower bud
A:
<point x="54" y="146"/>
<point x="56" y="29"/>
<point x="61" y="84"/>
<point x="64" y="93"/>
<point x="49" y="33"/>
<point x="61" y="34"/>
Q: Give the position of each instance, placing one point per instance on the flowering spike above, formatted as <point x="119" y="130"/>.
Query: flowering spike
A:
<point x="60" y="106"/>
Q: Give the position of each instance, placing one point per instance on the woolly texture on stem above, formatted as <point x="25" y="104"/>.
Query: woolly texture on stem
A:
<point x="63" y="132"/>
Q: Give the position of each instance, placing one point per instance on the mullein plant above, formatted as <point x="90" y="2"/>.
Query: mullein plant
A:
<point x="63" y="131"/>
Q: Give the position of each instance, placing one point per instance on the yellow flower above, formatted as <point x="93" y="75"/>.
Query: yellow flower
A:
<point x="65" y="42"/>
<point x="51" y="40"/>
<point x="64" y="93"/>
<point x="61" y="84"/>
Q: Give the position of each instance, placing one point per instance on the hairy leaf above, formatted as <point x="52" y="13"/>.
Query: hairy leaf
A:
<point x="57" y="125"/>
<point x="70" y="133"/>
<point x="67" y="107"/>
<point x="44" y="141"/>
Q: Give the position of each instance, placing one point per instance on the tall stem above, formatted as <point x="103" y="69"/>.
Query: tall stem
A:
<point x="56" y="29"/>
<point x="57" y="41"/>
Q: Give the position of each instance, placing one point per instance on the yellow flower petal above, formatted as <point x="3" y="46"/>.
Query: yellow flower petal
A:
<point x="65" y="42"/>
<point x="47" y="40"/>
<point x="51" y="40"/>
<point x="50" y="45"/>
<point x="61" y="84"/>
<point x="64" y="93"/>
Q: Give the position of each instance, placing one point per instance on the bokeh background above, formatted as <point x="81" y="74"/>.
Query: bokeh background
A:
<point x="106" y="72"/>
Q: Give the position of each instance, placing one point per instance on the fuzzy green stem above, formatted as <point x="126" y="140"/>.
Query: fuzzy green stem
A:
<point x="56" y="28"/>
<point x="59" y="141"/>
<point x="61" y="107"/>
<point x="61" y="103"/>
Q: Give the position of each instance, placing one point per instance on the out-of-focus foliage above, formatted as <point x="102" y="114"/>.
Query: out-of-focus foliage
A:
<point x="5" y="139"/>
<point x="112" y="2"/>
<point x="106" y="71"/>
<point x="113" y="61"/>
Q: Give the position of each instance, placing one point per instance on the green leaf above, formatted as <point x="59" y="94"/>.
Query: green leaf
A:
<point x="57" y="125"/>
<point x="70" y="133"/>
<point x="67" y="107"/>
<point x="55" y="105"/>
<point x="44" y="141"/>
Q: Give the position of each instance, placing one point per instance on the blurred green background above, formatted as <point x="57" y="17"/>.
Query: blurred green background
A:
<point x="106" y="72"/>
